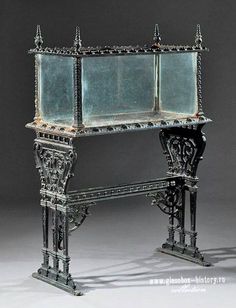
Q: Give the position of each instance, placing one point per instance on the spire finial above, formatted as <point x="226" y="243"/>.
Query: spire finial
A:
<point x="77" y="40"/>
<point x="38" y="39"/>
<point x="198" y="37"/>
<point x="156" y="36"/>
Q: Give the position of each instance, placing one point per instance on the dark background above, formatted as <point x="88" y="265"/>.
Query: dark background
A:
<point x="122" y="157"/>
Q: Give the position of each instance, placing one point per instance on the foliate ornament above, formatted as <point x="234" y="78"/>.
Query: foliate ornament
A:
<point x="169" y="201"/>
<point x="77" y="215"/>
<point x="183" y="149"/>
<point x="55" y="167"/>
<point x="182" y="153"/>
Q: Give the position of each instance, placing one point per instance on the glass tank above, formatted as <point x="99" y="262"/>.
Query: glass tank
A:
<point x="56" y="89"/>
<point x="178" y="83"/>
<point x="118" y="89"/>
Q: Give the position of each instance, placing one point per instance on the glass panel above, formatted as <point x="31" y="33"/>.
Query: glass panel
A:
<point x="56" y="89"/>
<point x="117" y="87"/>
<point x="178" y="84"/>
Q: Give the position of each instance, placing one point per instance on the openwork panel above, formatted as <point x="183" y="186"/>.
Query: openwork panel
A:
<point x="183" y="149"/>
<point x="55" y="165"/>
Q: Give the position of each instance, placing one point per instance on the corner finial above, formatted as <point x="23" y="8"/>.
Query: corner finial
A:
<point x="198" y="37"/>
<point x="38" y="39"/>
<point x="77" y="40"/>
<point x="156" y="37"/>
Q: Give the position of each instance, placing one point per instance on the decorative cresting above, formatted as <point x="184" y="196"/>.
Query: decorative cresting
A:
<point x="55" y="167"/>
<point x="183" y="149"/>
<point x="77" y="49"/>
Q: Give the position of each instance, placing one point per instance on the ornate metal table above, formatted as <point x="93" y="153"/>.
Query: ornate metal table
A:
<point x="92" y="91"/>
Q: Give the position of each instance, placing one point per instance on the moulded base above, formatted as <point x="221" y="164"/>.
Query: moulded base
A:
<point x="186" y="254"/>
<point x="58" y="284"/>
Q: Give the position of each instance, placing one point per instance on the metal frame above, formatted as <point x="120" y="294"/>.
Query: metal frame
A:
<point x="64" y="211"/>
<point x="78" y="52"/>
<point x="56" y="159"/>
<point x="77" y="98"/>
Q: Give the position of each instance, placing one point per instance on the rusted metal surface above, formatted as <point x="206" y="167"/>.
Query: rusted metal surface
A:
<point x="47" y="128"/>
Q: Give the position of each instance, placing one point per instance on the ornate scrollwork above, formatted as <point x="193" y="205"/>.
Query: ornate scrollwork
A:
<point x="55" y="167"/>
<point x="169" y="201"/>
<point x="78" y="214"/>
<point x="182" y="153"/>
<point x="183" y="148"/>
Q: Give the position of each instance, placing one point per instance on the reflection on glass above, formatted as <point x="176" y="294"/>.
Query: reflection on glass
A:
<point x="116" y="85"/>
<point x="178" y="84"/>
<point x="119" y="89"/>
<point x="56" y="89"/>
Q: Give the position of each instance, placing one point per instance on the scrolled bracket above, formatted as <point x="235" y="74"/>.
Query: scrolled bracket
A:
<point x="169" y="201"/>
<point x="183" y="148"/>
<point x="77" y="215"/>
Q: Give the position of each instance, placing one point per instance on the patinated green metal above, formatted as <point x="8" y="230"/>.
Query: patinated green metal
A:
<point x="56" y="154"/>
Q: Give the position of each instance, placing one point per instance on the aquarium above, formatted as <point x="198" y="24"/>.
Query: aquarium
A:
<point x="116" y="89"/>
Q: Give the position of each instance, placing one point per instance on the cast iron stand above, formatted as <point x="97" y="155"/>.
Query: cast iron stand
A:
<point x="64" y="211"/>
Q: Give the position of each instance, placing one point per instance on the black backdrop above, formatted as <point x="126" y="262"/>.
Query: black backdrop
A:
<point x="121" y="157"/>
